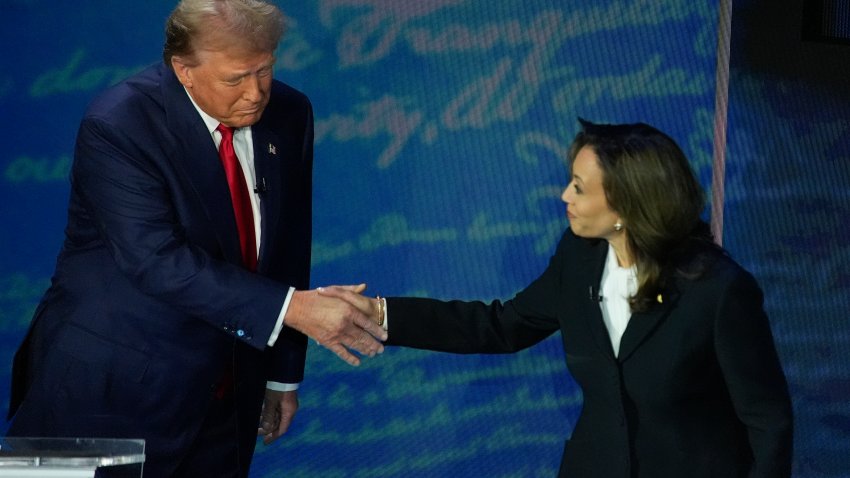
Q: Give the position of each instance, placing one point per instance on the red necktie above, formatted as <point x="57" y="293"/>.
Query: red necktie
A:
<point x="239" y="197"/>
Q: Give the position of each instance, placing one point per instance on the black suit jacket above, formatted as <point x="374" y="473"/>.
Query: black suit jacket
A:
<point x="695" y="391"/>
<point x="149" y="306"/>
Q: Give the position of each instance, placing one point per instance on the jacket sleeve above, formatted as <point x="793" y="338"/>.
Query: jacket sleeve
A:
<point x="477" y="327"/>
<point x="754" y="376"/>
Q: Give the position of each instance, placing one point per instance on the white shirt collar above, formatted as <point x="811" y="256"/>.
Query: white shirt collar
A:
<point x="211" y="122"/>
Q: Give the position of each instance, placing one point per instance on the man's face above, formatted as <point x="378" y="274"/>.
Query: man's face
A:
<point x="229" y="83"/>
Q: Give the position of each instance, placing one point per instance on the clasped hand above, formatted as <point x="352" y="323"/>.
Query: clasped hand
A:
<point x="338" y="318"/>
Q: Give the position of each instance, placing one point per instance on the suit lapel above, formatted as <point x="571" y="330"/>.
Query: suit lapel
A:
<point x="642" y="324"/>
<point x="268" y="157"/>
<point x="199" y="162"/>
<point x="594" y="265"/>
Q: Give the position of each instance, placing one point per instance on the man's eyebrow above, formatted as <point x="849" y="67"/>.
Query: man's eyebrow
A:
<point x="241" y="74"/>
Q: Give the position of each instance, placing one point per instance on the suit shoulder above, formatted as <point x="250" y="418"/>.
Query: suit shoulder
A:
<point x="288" y="109"/>
<point x="137" y="93"/>
<point x="718" y="268"/>
<point x="283" y="95"/>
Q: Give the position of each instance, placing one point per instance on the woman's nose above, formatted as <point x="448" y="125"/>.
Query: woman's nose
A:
<point x="565" y="195"/>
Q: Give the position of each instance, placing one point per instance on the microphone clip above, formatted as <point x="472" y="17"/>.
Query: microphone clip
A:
<point x="261" y="188"/>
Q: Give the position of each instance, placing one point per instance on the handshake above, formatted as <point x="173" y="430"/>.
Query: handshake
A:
<point x="339" y="318"/>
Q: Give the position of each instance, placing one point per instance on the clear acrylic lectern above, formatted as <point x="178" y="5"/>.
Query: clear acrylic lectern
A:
<point x="67" y="457"/>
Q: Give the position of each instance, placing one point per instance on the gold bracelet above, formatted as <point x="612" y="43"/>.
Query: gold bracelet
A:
<point x="380" y="311"/>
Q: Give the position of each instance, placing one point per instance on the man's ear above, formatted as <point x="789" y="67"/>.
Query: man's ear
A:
<point x="182" y="70"/>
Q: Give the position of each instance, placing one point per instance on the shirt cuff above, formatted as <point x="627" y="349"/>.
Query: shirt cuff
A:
<point x="282" y="387"/>
<point x="386" y="324"/>
<point x="279" y="324"/>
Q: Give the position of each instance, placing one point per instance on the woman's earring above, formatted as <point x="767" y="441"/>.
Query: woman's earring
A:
<point x="618" y="226"/>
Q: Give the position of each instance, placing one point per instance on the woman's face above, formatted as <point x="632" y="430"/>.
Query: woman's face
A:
<point x="587" y="207"/>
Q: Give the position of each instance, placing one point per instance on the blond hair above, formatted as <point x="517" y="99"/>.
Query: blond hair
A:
<point x="255" y="24"/>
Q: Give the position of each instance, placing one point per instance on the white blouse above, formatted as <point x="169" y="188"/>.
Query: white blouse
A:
<point x="618" y="284"/>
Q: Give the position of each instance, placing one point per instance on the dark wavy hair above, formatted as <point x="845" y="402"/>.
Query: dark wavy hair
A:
<point x="257" y="24"/>
<point x="648" y="181"/>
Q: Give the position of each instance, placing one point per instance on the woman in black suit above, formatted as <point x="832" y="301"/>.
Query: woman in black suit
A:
<point x="665" y="334"/>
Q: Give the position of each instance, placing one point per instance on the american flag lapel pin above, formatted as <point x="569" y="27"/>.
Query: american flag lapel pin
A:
<point x="272" y="149"/>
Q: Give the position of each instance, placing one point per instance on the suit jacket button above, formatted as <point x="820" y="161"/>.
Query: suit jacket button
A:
<point x="240" y="333"/>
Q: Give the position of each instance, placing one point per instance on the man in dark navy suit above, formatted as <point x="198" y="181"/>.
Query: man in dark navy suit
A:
<point x="179" y="308"/>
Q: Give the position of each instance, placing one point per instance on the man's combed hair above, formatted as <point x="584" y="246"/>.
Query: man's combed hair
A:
<point x="257" y="24"/>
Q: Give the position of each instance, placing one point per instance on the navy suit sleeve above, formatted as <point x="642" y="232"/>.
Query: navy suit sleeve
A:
<point x="131" y="198"/>
<point x="752" y="371"/>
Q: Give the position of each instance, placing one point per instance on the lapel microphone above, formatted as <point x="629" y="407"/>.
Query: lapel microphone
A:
<point x="593" y="295"/>
<point x="260" y="187"/>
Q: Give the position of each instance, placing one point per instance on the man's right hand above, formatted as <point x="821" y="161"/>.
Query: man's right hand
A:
<point x="335" y="324"/>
